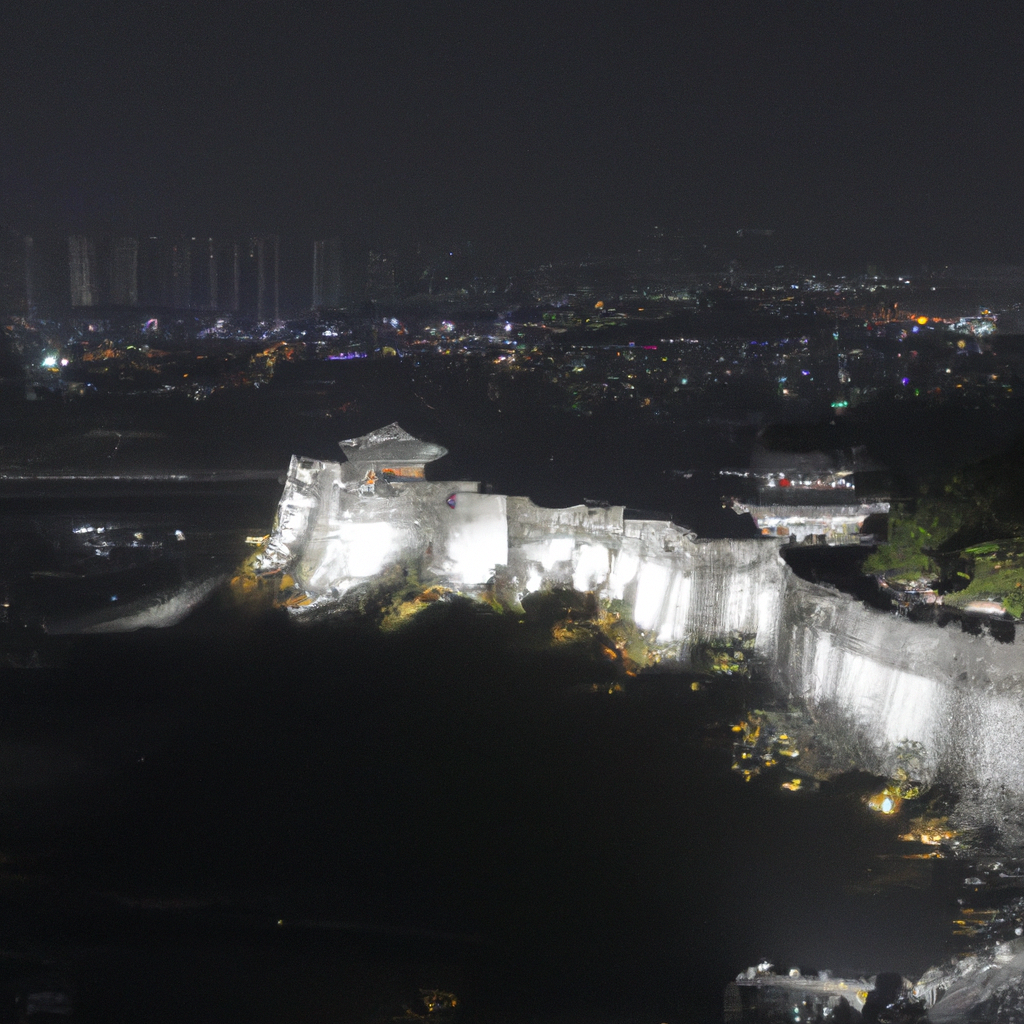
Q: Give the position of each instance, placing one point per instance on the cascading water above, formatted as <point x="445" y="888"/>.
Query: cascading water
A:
<point x="956" y="696"/>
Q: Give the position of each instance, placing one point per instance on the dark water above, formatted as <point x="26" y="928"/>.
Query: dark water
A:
<point x="452" y="807"/>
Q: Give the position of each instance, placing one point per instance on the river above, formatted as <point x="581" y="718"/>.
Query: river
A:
<point x="239" y="814"/>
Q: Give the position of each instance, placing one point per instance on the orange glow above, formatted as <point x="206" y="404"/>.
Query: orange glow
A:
<point x="885" y="802"/>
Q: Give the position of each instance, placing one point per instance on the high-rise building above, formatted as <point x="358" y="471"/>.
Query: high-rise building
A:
<point x="16" y="274"/>
<point x="277" y="279"/>
<point x="380" y="275"/>
<point x="124" y="272"/>
<point x="154" y="273"/>
<point x="236" y="272"/>
<point x="181" y="274"/>
<point x="189" y="273"/>
<point x="258" y="248"/>
<point x="30" y="259"/>
<point x="212" y="266"/>
<point x="261" y="278"/>
<point x="327" y="273"/>
<point x="82" y="267"/>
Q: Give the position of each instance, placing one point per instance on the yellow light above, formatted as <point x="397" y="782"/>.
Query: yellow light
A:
<point x="885" y="802"/>
<point x="922" y="320"/>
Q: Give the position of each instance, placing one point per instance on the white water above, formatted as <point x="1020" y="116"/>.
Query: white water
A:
<point x="159" y="612"/>
<point x="961" y="697"/>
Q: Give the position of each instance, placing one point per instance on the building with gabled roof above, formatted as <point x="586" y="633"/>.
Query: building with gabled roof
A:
<point x="388" y="452"/>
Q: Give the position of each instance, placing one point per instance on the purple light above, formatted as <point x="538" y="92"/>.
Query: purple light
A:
<point x="905" y="380"/>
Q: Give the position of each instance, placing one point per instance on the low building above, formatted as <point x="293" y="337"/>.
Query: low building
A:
<point x="809" y="524"/>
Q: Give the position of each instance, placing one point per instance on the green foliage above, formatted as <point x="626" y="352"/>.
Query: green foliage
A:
<point x="919" y="543"/>
<point x="904" y="563"/>
<point x="724" y="656"/>
<point x="917" y="534"/>
<point x="627" y="638"/>
<point x="904" y="781"/>
<point x="906" y="554"/>
<point x="983" y="549"/>
<point x="545" y="608"/>
<point x="957" y="516"/>
<point x="997" y="575"/>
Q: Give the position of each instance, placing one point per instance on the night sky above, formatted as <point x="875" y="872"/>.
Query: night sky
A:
<point x="871" y="130"/>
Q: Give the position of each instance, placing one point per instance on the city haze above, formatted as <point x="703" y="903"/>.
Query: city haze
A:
<point x="865" y="132"/>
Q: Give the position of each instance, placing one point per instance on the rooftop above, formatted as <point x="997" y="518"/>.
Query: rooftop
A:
<point x="391" y="444"/>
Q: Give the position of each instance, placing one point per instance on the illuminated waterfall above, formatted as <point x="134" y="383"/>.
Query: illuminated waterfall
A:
<point x="340" y="526"/>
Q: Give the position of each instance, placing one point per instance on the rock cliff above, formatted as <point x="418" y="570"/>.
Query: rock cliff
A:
<point x="957" y="695"/>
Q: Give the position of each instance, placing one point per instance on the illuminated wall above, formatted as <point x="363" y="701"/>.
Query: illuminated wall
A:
<point x="334" y="532"/>
<point x="892" y="680"/>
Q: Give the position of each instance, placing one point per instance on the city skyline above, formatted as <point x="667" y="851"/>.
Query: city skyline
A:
<point x="862" y="131"/>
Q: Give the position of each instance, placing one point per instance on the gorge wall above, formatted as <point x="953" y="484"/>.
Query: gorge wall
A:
<point x="960" y="696"/>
